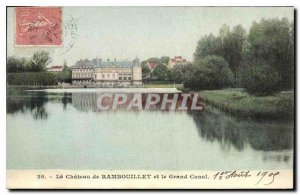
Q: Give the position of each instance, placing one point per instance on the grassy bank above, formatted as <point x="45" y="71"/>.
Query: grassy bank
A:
<point x="240" y="103"/>
<point x="159" y="85"/>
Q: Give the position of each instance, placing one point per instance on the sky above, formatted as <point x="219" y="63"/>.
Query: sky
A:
<point x="128" y="32"/>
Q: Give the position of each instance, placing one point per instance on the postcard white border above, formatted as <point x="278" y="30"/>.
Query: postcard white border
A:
<point x="5" y="3"/>
<point x="145" y="179"/>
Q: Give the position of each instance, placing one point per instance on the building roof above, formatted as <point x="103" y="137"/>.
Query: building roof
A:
<point x="56" y="66"/>
<point x="178" y="59"/>
<point x="124" y="64"/>
<point x="152" y="64"/>
<point x="83" y="64"/>
<point x="94" y="64"/>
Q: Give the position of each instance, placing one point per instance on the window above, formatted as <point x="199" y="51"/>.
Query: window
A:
<point x="125" y="78"/>
<point x="95" y="76"/>
<point x="129" y="78"/>
<point x="120" y="78"/>
<point x="103" y="76"/>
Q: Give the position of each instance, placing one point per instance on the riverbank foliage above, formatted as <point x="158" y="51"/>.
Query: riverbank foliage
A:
<point x="32" y="71"/>
<point x="37" y="63"/>
<point x="261" y="80"/>
<point x="240" y="103"/>
<point x="210" y="72"/>
<point x="37" y="78"/>
<point x="261" y="60"/>
<point x="162" y="85"/>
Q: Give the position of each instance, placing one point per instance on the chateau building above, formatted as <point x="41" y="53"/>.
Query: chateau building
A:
<point x="110" y="74"/>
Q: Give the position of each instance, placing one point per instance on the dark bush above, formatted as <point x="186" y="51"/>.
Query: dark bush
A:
<point x="261" y="80"/>
<point x="211" y="72"/>
<point x="38" y="78"/>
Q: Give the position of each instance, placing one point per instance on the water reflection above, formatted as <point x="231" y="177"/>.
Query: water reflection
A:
<point x="66" y="99"/>
<point x="212" y="125"/>
<point x="34" y="103"/>
<point x="229" y="131"/>
<point x="85" y="101"/>
<point x="91" y="101"/>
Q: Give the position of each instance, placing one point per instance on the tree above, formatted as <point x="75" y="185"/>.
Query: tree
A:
<point x="65" y="75"/>
<point x="145" y="70"/>
<point x="16" y="64"/>
<point x="154" y="59"/>
<point x="208" y="45"/>
<point x="39" y="61"/>
<point x="271" y="43"/>
<point x="229" y="45"/>
<point x="261" y="80"/>
<point x="232" y="47"/>
<point x="291" y="57"/>
<point x="211" y="72"/>
<point x="65" y="64"/>
<point x="160" y="72"/>
<point x="165" y="60"/>
<point x="177" y="73"/>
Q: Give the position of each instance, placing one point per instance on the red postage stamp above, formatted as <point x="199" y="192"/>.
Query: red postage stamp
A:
<point x="38" y="26"/>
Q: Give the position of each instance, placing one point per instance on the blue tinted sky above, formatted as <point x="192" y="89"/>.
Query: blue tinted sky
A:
<point x="126" y="32"/>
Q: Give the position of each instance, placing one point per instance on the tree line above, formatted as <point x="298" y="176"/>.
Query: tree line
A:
<point x="261" y="61"/>
<point x="160" y="72"/>
<point x="32" y="71"/>
<point x="37" y="63"/>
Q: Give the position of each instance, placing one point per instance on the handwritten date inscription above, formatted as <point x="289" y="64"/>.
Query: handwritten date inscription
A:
<point x="39" y="26"/>
<point x="264" y="177"/>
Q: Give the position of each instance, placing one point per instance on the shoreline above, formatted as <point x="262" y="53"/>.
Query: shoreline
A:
<point x="176" y="86"/>
<point x="233" y="101"/>
<point x="241" y="104"/>
<point x="238" y="103"/>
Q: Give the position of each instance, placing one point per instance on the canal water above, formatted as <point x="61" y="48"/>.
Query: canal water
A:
<point x="64" y="129"/>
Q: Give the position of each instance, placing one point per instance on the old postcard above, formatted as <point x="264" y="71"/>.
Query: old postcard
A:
<point x="150" y="98"/>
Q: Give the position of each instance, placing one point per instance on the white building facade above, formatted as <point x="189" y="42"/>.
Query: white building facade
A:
<point x="55" y="69"/>
<point x="106" y="74"/>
